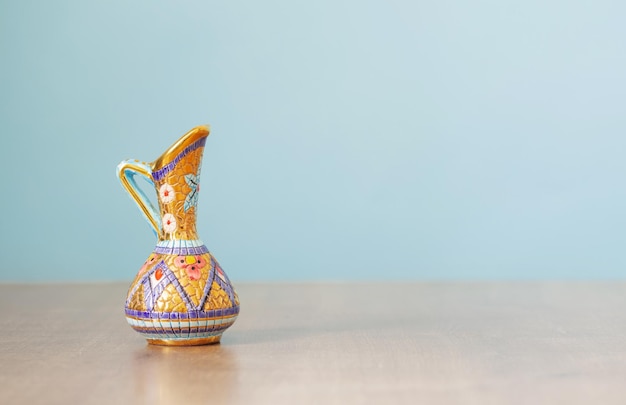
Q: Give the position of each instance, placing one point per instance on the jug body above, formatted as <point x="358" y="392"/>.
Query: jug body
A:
<point x="181" y="295"/>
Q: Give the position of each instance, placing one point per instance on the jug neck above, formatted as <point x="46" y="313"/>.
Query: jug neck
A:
<point x="176" y="176"/>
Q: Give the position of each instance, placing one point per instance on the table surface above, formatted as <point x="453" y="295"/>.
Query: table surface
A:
<point x="431" y="343"/>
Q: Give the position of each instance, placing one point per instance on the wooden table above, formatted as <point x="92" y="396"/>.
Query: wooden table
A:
<point x="343" y="343"/>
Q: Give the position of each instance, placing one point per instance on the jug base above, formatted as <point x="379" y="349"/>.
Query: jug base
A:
<point x="186" y="342"/>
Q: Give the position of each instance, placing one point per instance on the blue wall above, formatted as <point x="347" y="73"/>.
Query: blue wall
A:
<point x="350" y="139"/>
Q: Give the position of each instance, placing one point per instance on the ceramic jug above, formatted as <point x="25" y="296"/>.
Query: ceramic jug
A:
<point x="180" y="296"/>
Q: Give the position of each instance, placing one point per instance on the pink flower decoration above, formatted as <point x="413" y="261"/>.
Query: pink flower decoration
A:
<point x="180" y="262"/>
<point x="191" y="264"/>
<point x="193" y="272"/>
<point x="200" y="262"/>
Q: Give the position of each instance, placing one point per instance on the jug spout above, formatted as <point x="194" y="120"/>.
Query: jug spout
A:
<point x="175" y="176"/>
<point x="192" y="140"/>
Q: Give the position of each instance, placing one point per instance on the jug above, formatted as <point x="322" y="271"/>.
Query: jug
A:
<point x="180" y="296"/>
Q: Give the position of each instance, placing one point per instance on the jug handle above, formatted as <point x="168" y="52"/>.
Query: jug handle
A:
<point x="126" y="172"/>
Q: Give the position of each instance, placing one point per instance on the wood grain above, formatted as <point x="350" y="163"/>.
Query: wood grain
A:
<point x="430" y="343"/>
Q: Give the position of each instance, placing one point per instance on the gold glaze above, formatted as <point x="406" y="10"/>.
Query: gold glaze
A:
<point x="189" y="342"/>
<point x="170" y="301"/>
<point x="218" y="298"/>
<point x="138" y="301"/>
<point x="184" y="141"/>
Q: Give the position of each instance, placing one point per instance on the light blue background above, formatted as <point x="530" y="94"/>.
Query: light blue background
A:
<point x="350" y="139"/>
